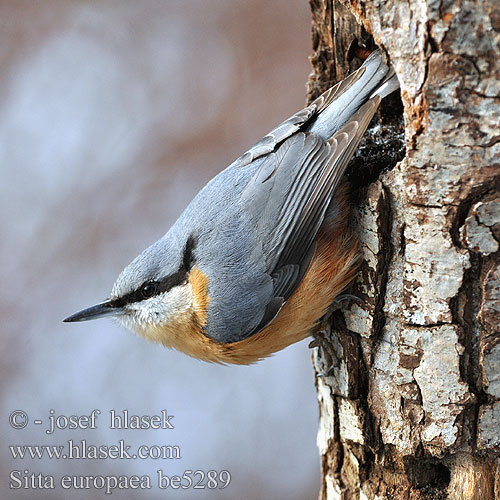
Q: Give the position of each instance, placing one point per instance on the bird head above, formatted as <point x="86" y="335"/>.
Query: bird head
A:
<point x="153" y="294"/>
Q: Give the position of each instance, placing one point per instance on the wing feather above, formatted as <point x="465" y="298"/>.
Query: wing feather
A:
<point x="293" y="124"/>
<point x="289" y="196"/>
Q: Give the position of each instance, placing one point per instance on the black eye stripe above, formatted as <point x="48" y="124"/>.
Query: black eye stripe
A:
<point x="187" y="255"/>
<point x="169" y="282"/>
<point x="164" y="284"/>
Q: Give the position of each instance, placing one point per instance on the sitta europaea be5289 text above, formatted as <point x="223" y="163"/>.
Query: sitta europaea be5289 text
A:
<point x="259" y="255"/>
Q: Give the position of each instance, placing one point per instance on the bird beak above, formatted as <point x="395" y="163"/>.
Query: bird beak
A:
<point x="105" y="308"/>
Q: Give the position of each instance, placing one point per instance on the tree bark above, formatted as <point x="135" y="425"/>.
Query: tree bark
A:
<point x="410" y="408"/>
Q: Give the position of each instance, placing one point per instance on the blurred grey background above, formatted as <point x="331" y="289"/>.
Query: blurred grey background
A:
<point x="113" y="114"/>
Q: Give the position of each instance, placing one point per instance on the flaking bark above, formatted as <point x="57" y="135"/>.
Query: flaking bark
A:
<point x="412" y="408"/>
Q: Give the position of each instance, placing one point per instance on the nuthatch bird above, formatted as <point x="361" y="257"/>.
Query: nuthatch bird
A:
<point x="259" y="255"/>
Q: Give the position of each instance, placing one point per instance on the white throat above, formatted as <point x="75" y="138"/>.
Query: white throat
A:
<point x="168" y="308"/>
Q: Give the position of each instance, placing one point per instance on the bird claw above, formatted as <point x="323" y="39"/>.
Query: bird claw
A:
<point x="320" y="340"/>
<point x="329" y="373"/>
<point x="336" y="304"/>
<point x="315" y="342"/>
<point x="347" y="296"/>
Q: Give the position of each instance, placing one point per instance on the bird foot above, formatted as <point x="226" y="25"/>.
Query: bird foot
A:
<point x="347" y="296"/>
<point x="320" y="340"/>
<point x="328" y="373"/>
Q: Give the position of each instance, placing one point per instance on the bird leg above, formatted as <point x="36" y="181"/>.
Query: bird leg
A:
<point x="329" y="355"/>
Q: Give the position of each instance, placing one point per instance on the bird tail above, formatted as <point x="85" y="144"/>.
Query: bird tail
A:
<point x="336" y="106"/>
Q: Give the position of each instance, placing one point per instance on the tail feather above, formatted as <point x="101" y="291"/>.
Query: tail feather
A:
<point x="375" y="78"/>
<point x="388" y="86"/>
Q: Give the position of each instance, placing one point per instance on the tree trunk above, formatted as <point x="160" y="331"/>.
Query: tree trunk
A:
<point x="410" y="404"/>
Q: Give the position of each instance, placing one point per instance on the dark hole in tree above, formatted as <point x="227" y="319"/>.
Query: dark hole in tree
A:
<point x="427" y="473"/>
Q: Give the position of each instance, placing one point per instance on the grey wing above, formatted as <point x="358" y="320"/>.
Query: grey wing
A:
<point x="288" y="197"/>
<point x="293" y="124"/>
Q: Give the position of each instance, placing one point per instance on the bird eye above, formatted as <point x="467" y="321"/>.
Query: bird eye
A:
<point x="148" y="290"/>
